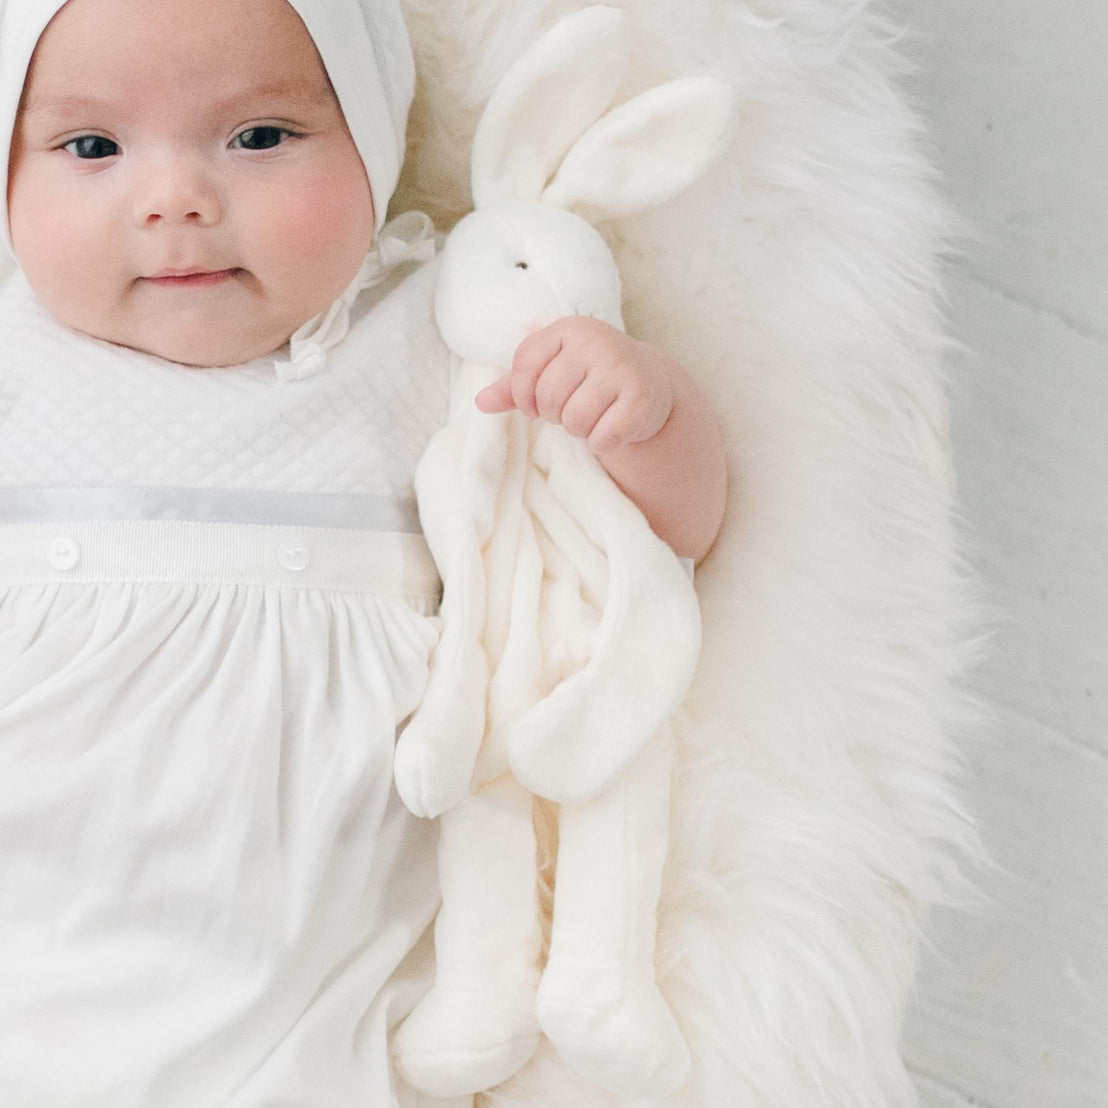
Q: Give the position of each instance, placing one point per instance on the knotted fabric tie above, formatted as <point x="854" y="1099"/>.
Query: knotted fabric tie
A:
<point x="408" y="238"/>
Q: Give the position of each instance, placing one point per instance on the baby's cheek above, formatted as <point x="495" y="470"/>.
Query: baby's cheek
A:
<point x="66" y="264"/>
<point x="324" y="229"/>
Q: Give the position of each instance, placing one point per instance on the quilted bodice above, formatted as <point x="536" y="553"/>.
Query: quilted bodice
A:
<point x="79" y="413"/>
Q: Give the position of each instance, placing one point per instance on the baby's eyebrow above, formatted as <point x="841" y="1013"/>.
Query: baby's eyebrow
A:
<point x="291" y="93"/>
<point x="298" y="93"/>
<point x="63" y="105"/>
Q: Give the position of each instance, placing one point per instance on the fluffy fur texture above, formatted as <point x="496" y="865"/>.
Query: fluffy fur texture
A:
<point x="815" y="817"/>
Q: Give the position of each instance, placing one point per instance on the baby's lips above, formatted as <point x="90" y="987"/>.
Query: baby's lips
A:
<point x="198" y="273"/>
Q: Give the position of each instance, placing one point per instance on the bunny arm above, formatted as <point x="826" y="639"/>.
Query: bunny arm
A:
<point x="457" y="482"/>
<point x="487" y="668"/>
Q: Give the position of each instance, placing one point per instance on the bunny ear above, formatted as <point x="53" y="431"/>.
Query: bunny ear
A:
<point x="646" y="150"/>
<point x="543" y="103"/>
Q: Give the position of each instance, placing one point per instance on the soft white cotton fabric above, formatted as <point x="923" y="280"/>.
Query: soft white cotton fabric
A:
<point x="214" y="614"/>
<point x="365" y="50"/>
<point x="206" y="884"/>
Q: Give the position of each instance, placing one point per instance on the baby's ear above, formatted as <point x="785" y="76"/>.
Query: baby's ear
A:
<point x="543" y="103"/>
<point x="645" y="151"/>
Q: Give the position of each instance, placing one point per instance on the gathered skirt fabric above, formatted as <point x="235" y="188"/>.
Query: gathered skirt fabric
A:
<point x="209" y="890"/>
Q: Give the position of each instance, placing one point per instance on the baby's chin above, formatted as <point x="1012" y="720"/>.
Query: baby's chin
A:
<point x="198" y="348"/>
<point x="209" y="356"/>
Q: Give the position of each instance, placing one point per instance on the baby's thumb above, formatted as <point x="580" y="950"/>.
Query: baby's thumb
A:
<point x="496" y="397"/>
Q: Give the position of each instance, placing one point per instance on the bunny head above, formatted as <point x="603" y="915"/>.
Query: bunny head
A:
<point x="546" y="161"/>
<point x="511" y="269"/>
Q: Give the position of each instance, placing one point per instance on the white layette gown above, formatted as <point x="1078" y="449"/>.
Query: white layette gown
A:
<point x="215" y="611"/>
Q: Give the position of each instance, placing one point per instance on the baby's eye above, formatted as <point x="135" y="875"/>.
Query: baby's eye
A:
<point x="260" y="138"/>
<point x="92" y="146"/>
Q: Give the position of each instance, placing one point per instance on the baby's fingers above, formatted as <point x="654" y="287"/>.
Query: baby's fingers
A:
<point x="496" y="397"/>
<point x="587" y="410"/>
<point x="534" y="392"/>
<point x="517" y="389"/>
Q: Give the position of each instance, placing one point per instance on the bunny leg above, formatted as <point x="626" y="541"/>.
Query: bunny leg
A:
<point x="477" y="1024"/>
<point x="599" y="1002"/>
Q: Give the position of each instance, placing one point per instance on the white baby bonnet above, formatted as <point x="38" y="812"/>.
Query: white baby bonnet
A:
<point x="365" y="49"/>
<point x="368" y="57"/>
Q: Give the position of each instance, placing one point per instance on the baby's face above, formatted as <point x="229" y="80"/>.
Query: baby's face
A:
<point x="182" y="179"/>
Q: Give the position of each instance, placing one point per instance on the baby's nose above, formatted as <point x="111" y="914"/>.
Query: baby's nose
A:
<point x="176" y="190"/>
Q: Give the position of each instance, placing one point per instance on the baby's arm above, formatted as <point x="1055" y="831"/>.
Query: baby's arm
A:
<point x="638" y="411"/>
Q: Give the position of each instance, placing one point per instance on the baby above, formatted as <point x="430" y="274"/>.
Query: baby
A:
<point x="215" y="606"/>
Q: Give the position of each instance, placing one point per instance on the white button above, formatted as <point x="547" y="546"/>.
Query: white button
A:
<point x="64" y="553"/>
<point x="294" y="557"/>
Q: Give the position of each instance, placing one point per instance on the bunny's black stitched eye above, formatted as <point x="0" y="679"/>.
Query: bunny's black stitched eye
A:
<point x="522" y="265"/>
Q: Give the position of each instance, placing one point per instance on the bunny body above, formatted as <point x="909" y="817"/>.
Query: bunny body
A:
<point x="570" y="631"/>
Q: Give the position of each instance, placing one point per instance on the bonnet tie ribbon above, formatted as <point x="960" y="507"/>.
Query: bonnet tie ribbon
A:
<point x="408" y="238"/>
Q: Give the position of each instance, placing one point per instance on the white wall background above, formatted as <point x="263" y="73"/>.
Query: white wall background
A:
<point x="1012" y="1010"/>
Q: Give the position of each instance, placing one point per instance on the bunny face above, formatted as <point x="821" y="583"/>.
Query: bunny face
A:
<point x="510" y="270"/>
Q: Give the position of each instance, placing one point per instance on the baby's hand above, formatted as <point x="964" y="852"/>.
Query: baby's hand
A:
<point x="598" y="383"/>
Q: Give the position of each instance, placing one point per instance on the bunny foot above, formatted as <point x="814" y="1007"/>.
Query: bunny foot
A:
<point x="462" y="1041"/>
<point x="625" y="1039"/>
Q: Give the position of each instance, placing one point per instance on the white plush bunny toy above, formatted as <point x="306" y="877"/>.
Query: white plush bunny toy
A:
<point x="570" y="632"/>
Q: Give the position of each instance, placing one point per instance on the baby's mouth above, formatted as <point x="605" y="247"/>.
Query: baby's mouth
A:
<point x="194" y="278"/>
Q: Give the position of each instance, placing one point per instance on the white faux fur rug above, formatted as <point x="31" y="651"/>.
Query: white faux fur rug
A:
<point x="815" y="818"/>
